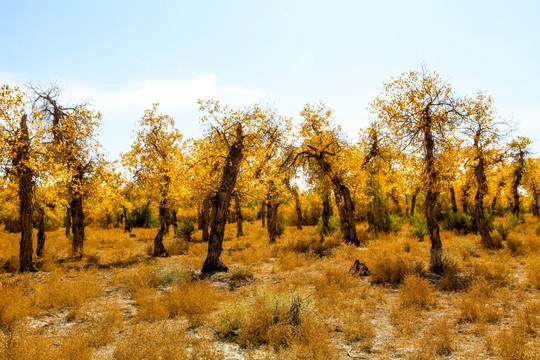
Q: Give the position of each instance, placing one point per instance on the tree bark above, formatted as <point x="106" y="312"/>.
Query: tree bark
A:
<point x="26" y="189"/>
<point x="77" y="225"/>
<point x="271" y="212"/>
<point x="67" y="221"/>
<point x="413" y="201"/>
<point x="535" y="204"/>
<point x="431" y="197"/>
<point x="239" y="218"/>
<point x="518" y="175"/>
<point x="298" y="207"/>
<point x="127" y="224"/>
<point x="486" y="239"/>
<point x="465" y="198"/>
<point x="41" y="232"/>
<point x="159" y="249"/>
<point x="453" y="199"/>
<point x="326" y="214"/>
<point x="221" y="202"/>
<point x="205" y="218"/>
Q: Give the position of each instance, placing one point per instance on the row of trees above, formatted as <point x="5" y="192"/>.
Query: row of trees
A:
<point x="424" y="144"/>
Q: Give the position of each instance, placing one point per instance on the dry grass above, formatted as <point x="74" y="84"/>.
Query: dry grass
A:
<point x="292" y="300"/>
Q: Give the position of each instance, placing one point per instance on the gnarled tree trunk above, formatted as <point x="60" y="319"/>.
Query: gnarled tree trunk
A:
<point x="486" y="239"/>
<point x="431" y="197"/>
<point x="77" y="225"/>
<point x="346" y="212"/>
<point x="453" y="199"/>
<point x="263" y="214"/>
<point x="205" y="218"/>
<point x="413" y="201"/>
<point x="26" y="187"/>
<point x="67" y="221"/>
<point x="221" y="202"/>
<point x="159" y="249"/>
<point x="298" y="208"/>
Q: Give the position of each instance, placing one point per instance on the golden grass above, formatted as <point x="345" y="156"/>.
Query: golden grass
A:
<point x="292" y="300"/>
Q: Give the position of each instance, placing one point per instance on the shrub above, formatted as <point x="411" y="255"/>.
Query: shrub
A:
<point x="418" y="227"/>
<point x="281" y="222"/>
<point x="185" y="229"/>
<point x="417" y="291"/>
<point x="459" y="221"/>
<point x="242" y="274"/>
<point x="334" y="223"/>
<point x="391" y="268"/>
<point x="537" y="229"/>
<point x="388" y="223"/>
<point x="505" y="226"/>
<point x="534" y="274"/>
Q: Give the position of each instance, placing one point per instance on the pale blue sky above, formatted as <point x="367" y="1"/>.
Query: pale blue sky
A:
<point x="125" y="55"/>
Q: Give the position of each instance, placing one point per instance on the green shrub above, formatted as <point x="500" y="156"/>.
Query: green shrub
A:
<point x="418" y="227"/>
<point x="185" y="229"/>
<point x="280" y="225"/>
<point x="506" y="225"/>
<point x="334" y="223"/>
<point x="459" y="221"/>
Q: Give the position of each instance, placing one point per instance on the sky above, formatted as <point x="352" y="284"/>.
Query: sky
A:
<point x="123" y="56"/>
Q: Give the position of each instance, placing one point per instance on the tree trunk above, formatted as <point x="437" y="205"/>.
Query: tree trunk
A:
<point x="77" y="225"/>
<point x="518" y="174"/>
<point x="298" y="206"/>
<point x="486" y="239"/>
<point x="41" y="232"/>
<point x="326" y="214"/>
<point x="263" y="214"/>
<point x="239" y="218"/>
<point x="174" y="219"/>
<point x="535" y="204"/>
<point x="465" y="198"/>
<point x="346" y="212"/>
<point x="159" y="249"/>
<point x="413" y="201"/>
<point x="221" y="203"/>
<point x="453" y="199"/>
<point x="26" y="187"/>
<point x="205" y="218"/>
<point x="271" y="212"/>
<point x="127" y="223"/>
<point x="431" y="198"/>
<point x="67" y="221"/>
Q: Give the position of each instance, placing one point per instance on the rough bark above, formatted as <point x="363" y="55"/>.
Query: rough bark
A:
<point x="272" y="205"/>
<point x="41" y="232"/>
<point x="298" y="208"/>
<point x="518" y="175"/>
<point x="205" y="218"/>
<point x="486" y="239"/>
<point x="221" y="202"/>
<point x="431" y="197"/>
<point x="465" y="198"/>
<point x="159" y="249"/>
<point x="26" y="187"/>
<point x="77" y="225"/>
<point x="239" y="218"/>
<point x="453" y="199"/>
<point x="67" y="221"/>
<point x="326" y="214"/>
<point x="535" y="204"/>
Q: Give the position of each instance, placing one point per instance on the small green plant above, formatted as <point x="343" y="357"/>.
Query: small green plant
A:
<point x="506" y="225"/>
<point x="418" y="227"/>
<point x="171" y="273"/>
<point x="280" y="225"/>
<point x="185" y="229"/>
<point x="334" y="223"/>
<point x="242" y="274"/>
<point x="459" y="221"/>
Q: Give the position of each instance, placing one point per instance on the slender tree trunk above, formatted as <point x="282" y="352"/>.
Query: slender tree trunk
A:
<point x="239" y="218"/>
<point x="486" y="239"/>
<point x="41" y="232"/>
<point x="26" y="189"/>
<point x="535" y="204"/>
<point x="518" y="174"/>
<point x="205" y="218"/>
<point x="271" y="212"/>
<point x="413" y="201"/>
<point x="298" y="207"/>
<point x="127" y="223"/>
<point x="465" y="198"/>
<point x="67" y="221"/>
<point x="453" y="199"/>
<point x="77" y="225"/>
<point x="221" y="203"/>
<point x="326" y="214"/>
<point x="263" y="213"/>
<point x="431" y="198"/>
